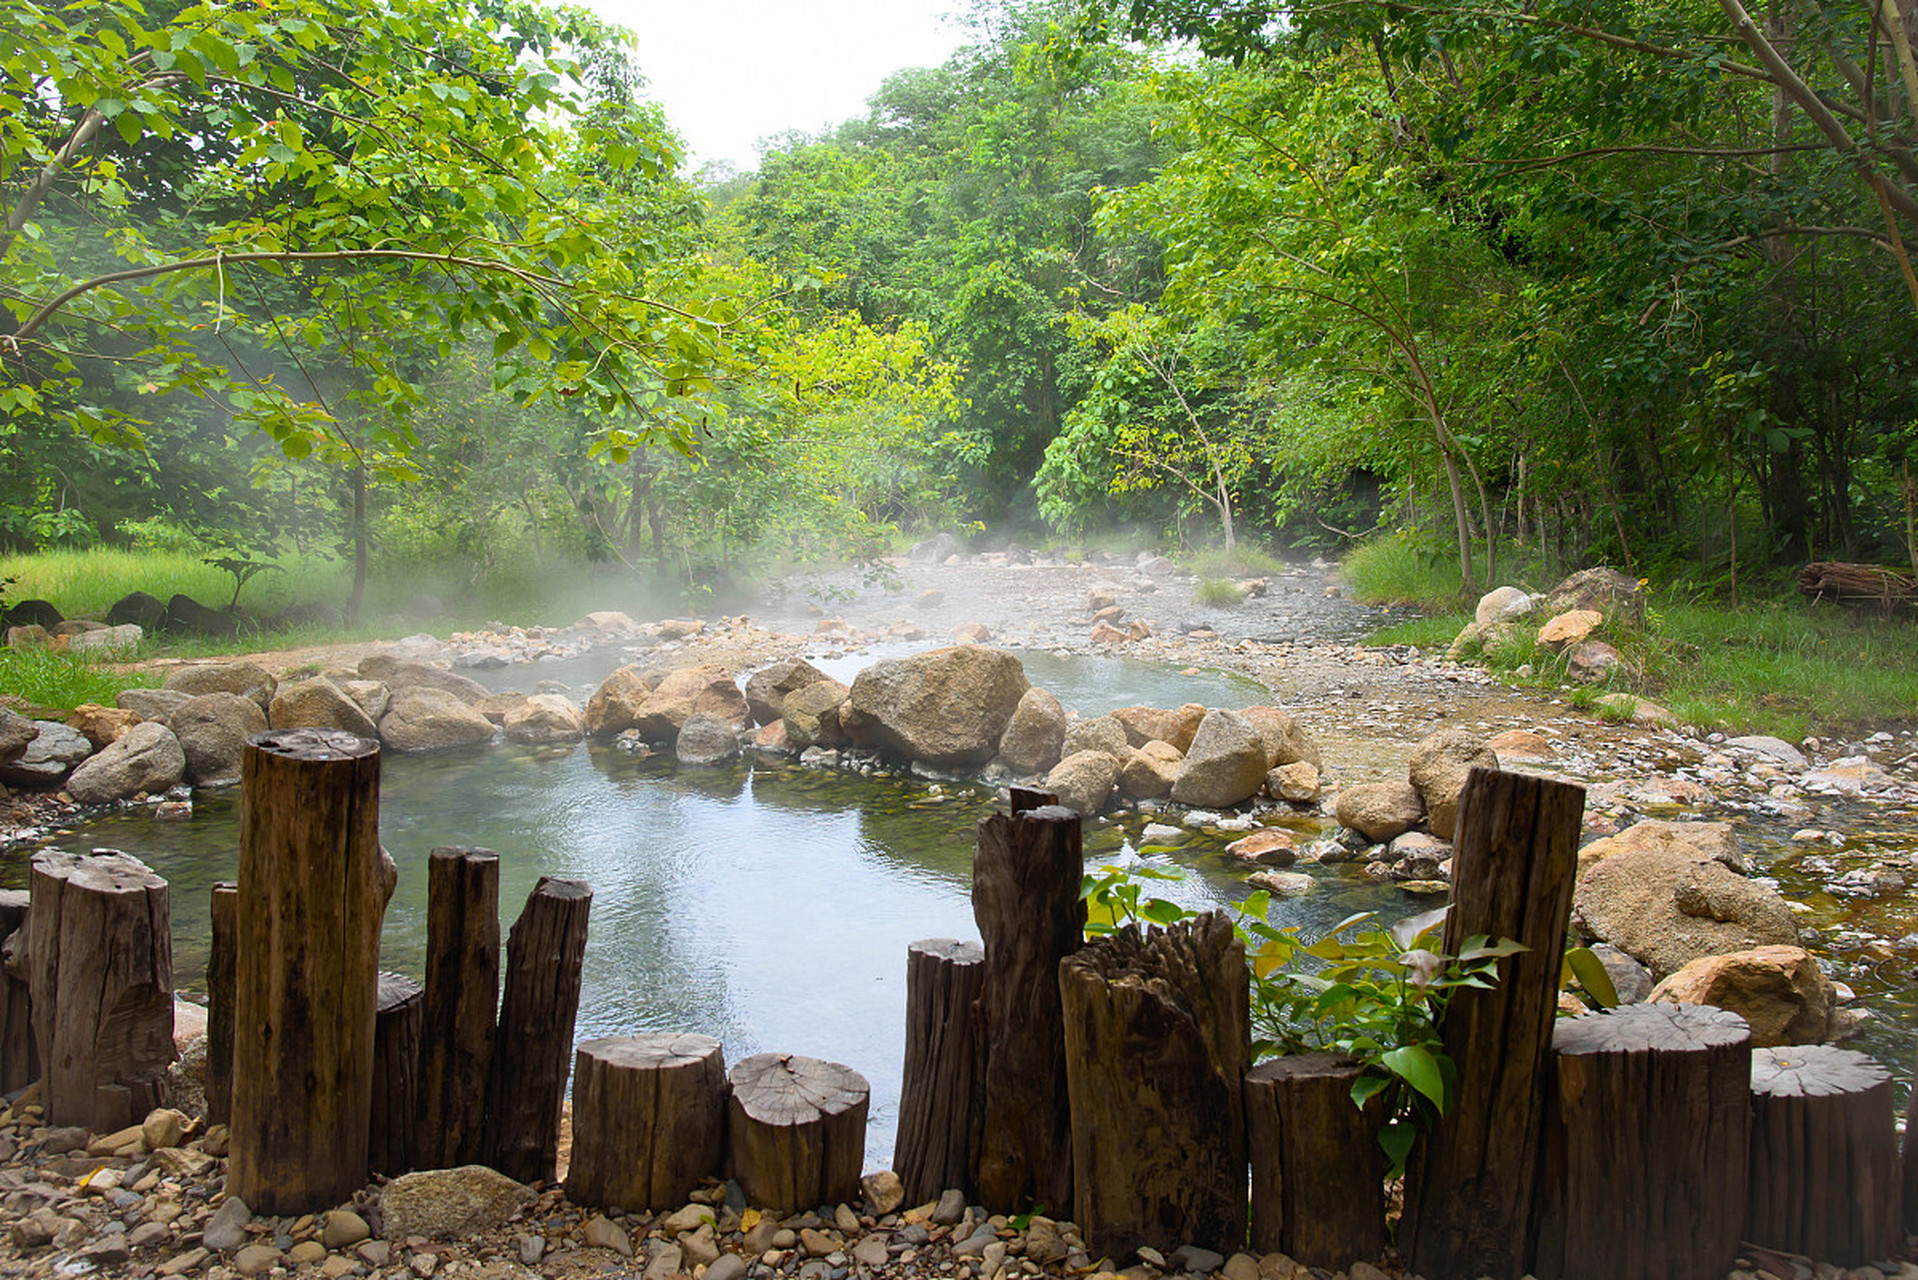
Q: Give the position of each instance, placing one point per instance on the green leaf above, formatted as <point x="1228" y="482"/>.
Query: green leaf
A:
<point x="1415" y="1065"/>
<point x="1593" y="976"/>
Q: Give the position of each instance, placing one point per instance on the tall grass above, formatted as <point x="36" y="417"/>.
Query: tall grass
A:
<point x="1241" y="562"/>
<point x="45" y="678"/>
<point x="86" y="583"/>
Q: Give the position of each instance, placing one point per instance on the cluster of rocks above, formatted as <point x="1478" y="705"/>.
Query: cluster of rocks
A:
<point x="1572" y="612"/>
<point x="39" y="623"/>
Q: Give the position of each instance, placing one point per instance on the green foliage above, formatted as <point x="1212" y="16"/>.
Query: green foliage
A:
<point x="1402" y="568"/>
<point x="61" y="681"/>
<point x="1218" y="593"/>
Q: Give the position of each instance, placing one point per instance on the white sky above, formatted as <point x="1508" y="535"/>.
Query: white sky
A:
<point x="730" y="72"/>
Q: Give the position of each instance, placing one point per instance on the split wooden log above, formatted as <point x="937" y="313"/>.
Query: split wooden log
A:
<point x="1647" y="1155"/>
<point x="1318" y="1172"/>
<point x="940" y="1094"/>
<point x="312" y="895"/>
<point x="533" y="1049"/>
<point x="1824" y="1156"/>
<point x="398" y="1010"/>
<point x="19" y="1059"/>
<point x="101" y="979"/>
<point x="1471" y="1183"/>
<point x="796" y="1130"/>
<point x="219" y="1002"/>
<point x="649" y="1120"/>
<point x="1157" y="1045"/>
<point x="1026" y="876"/>
<point x="460" y="1004"/>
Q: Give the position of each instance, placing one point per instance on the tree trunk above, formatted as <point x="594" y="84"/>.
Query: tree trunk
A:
<point x="102" y="987"/>
<point x="796" y="1132"/>
<point x="396" y="1059"/>
<point x="1471" y="1183"/>
<point x="1318" y="1173"/>
<point x="312" y="896"/>
<point x="19" y="1059"/>
<point x="526" y="1086"/>
<point x="940" y="1095"/>
<point x="220" y="962"/>
<point x="1157" y="1046"/>
<point x="649" y="1120"/>
<point x="1025" y="897"/>
<point x="461" y="1001"/>
<point x="1824" y="1156"/>
<point x="358" y="593"/>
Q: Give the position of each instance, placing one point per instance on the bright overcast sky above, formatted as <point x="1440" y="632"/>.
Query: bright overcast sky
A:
<point x="730" y="72"/>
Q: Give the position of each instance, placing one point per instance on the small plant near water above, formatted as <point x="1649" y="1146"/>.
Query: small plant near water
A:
<point x="1218" y="593"/>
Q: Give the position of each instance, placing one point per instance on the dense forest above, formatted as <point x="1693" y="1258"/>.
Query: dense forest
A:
<point x="427" y="282"/>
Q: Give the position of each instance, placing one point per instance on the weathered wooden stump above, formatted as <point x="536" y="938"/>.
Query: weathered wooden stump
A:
<point x="796" y="1130"/>
<point x="1157" y="1045"/>
<point x="1318" y="1172"/>
<point x="939" y="1097"/>
<point x="1026" y="875"/>
<point x="533" y="1050"/>
<point x="649" y="1120"/>
<point x="19" y="1059"/>
<point x="219" y="1001"/>
<point x="101" y="978"/>
<point x="1647" y="1155"/>
<point x="461" y="1002"/>
<point x="398" y="1011"/>
<point x="312" y="896"/>
<point x="1470" y="1184"/>
<point x="1824" y="1156"/>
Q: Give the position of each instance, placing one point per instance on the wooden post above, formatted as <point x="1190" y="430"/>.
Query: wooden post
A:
<point x="19" y="1059"/>
<point x="461" y="1002"/>
<point x="649" y="1120"/>
<point x="396" y="1055"/>
<point x="219" y="1002"/>
<point x="1025" y="897"/>
<point x="1158" y="1042"/>
<point x="796" y="1130"/>
<point x="1318" y="1172"/>
<point x="312" y="895"/>
<point x="1646" y="1175"/>
<point x="939" y="1096"/>
<point x="1824" y="1156"/>
<point x="101" y="964"/>
<point x="1471" y="1183"/>
<point x="526" y="1086"/>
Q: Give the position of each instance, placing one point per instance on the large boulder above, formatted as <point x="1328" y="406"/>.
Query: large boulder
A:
<point x="1035" y="737"/>
<point x="450" y="1204"/>
<point x="16" y="732"/>
<point x="766" y="688"/>
<point x="1099" y="733"/>
<point x="398" y="673"/>
<point x="812" y="715"/>
<point x="318" y="703"/>
<point x="1286" y="741"/>
<point x="544" y="718"/>
<point x="944" y="707"/>
<point x="33" y="613"/>
<point x="1226" y="763"/>
<point x="213" y="729"/>
<point x="1153" y="724"/>
<point x="1667" y="907"/>
<point x="1083" y="781"/>
<point x="107" y="640"/>
<point x="1716" y="840"/>
<point x="1439" y="767"/>
<point x="151" y="704"/>
<point x="1150" y="772"/>
<point x="55" y="750"/>
<point x="148" y="759"/>
<point x="1573" y="627"/>
<point x="615" y="705"/>
<point x="101" y="726"/>
<point x="423" y="719"/>
<point x="1780" y="991"/>
<point x="370" y="696"/>
<point x="1380" y="810"/>
<point x="1501" y="604"/>
<point x="707" y="690"/>
<point x="142" y="610"/>
<point x="248" y="679"/>
<point x="1607" y="591"/>
<point x="186" y="616"/>
<point x="935" y="550"/>
<point x="706" y="740"/>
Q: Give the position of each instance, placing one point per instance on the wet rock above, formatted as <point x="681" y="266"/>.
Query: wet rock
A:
<point x="615" y="705"/>
<point x="1153" y="724"/>
<point x="248" y="679"/>
<point x="400" y="675"/>
<point x="545" y="718"/>
<point x="148" y="759"/>
<point x="707" y="689"/>
<point x="1283" y="884"/>
<point x="428" y="719"/>
<point x="1780" y="991"/>
<point x="1849" y="776"/>
<point x="814" y="716"/>
<point x="449" y="1203"/>
<point x="1034" y="739"/>
<point x="1298" y="783"/>
<point x="53" y="752"/>
<point x="1286" y="740"/>
<point x="1149" y="772"/>
<point x="1083" y="781"/>
<point x="767" y="688"/>
<point x="1380" y="810"/>
<point x="318" y="703"/>
<point x="213" y="729"/>
<point x="944" y="707"/>
<point x="1439" y="767"/>
<point x="1715" y="840"/>
<point x="1106" y="636"/>
<point x="1765" y="747"/>
<point x="1097" y="733"/>
<point x="1667" y="907"/>
<point x="1225" y="765"/>
<point x="1269" y="847"/>
<point x="706" y="740"/>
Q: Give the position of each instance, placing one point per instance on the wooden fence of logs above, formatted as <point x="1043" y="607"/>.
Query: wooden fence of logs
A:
<point x="1113" y="1077"/>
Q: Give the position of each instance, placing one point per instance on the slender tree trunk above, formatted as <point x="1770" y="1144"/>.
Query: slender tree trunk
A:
<point x="359" y="543"/>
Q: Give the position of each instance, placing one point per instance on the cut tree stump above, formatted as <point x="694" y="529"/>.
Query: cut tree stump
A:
<point x="398" y="1009"/>
<point x="796" y="1131"/>
<point x="649" y="1120"/>
<point x="1471" y="1183"/>
<point x="1026" y="875"/>
<point x="533" y="1049"/>
<point x="219" y="1002"/>
<point x="1824" y="1156"/>
<point x="939" y="1097"/>
<point x="1318" y="1172"/>
<point x="1157" y="1046"/>
<point x="101" y="966"/>
<point x="461" y="1003"/>
<point x="312" y="895"/>
<point x="1647" y="1155"/>
<point x="19" y="1059"/>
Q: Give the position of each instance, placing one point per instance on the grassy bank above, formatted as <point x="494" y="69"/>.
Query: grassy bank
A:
<point x="1782" y="666"/>
<point x="34" y="679"/>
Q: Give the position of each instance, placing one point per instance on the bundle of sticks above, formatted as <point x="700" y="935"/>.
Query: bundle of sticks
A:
<point x="1830" y="579"/>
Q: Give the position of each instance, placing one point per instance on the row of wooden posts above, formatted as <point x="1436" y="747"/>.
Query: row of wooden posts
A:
<point x="1111" y="1079"/>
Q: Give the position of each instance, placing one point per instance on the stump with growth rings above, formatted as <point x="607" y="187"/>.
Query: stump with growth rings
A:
<point x="796" y="1130"/>
<point x="533" y="1049"/>
<point x="459" y="1005"/>
<point x="1824" y="1156"/>
<point x="1318" y="1172"/>
<point x="649" y="1120"/>
<point x="939" y="1098"/>
<point x="396" y="1057"/>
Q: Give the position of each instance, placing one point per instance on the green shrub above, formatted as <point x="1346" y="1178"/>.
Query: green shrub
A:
<point x="59" y="680"/>
<point x="1218" y="593"/>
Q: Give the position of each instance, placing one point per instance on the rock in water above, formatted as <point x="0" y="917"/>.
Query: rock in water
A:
<point x="1225" y="765"/>
<point x="147" y="759"/>
<point x="944" y="707"/>
<point x="1780" y="991"/>
<point x="1440" y="765"/>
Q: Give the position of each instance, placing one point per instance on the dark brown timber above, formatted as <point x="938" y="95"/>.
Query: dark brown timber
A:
<point x="219" y="1002"/>
<point x="19" y="1059"/>
<point x="533" y="1049"/>
<point x="460" y="1004"/>
<point x="649" y="1120"/>
<point x="396" y="1059"/>
<point x="1824" y="1156"/>
<point x="939" y="1097"/>
<point x="1318" y="1172"/>
<point x="796" y="1130"/>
